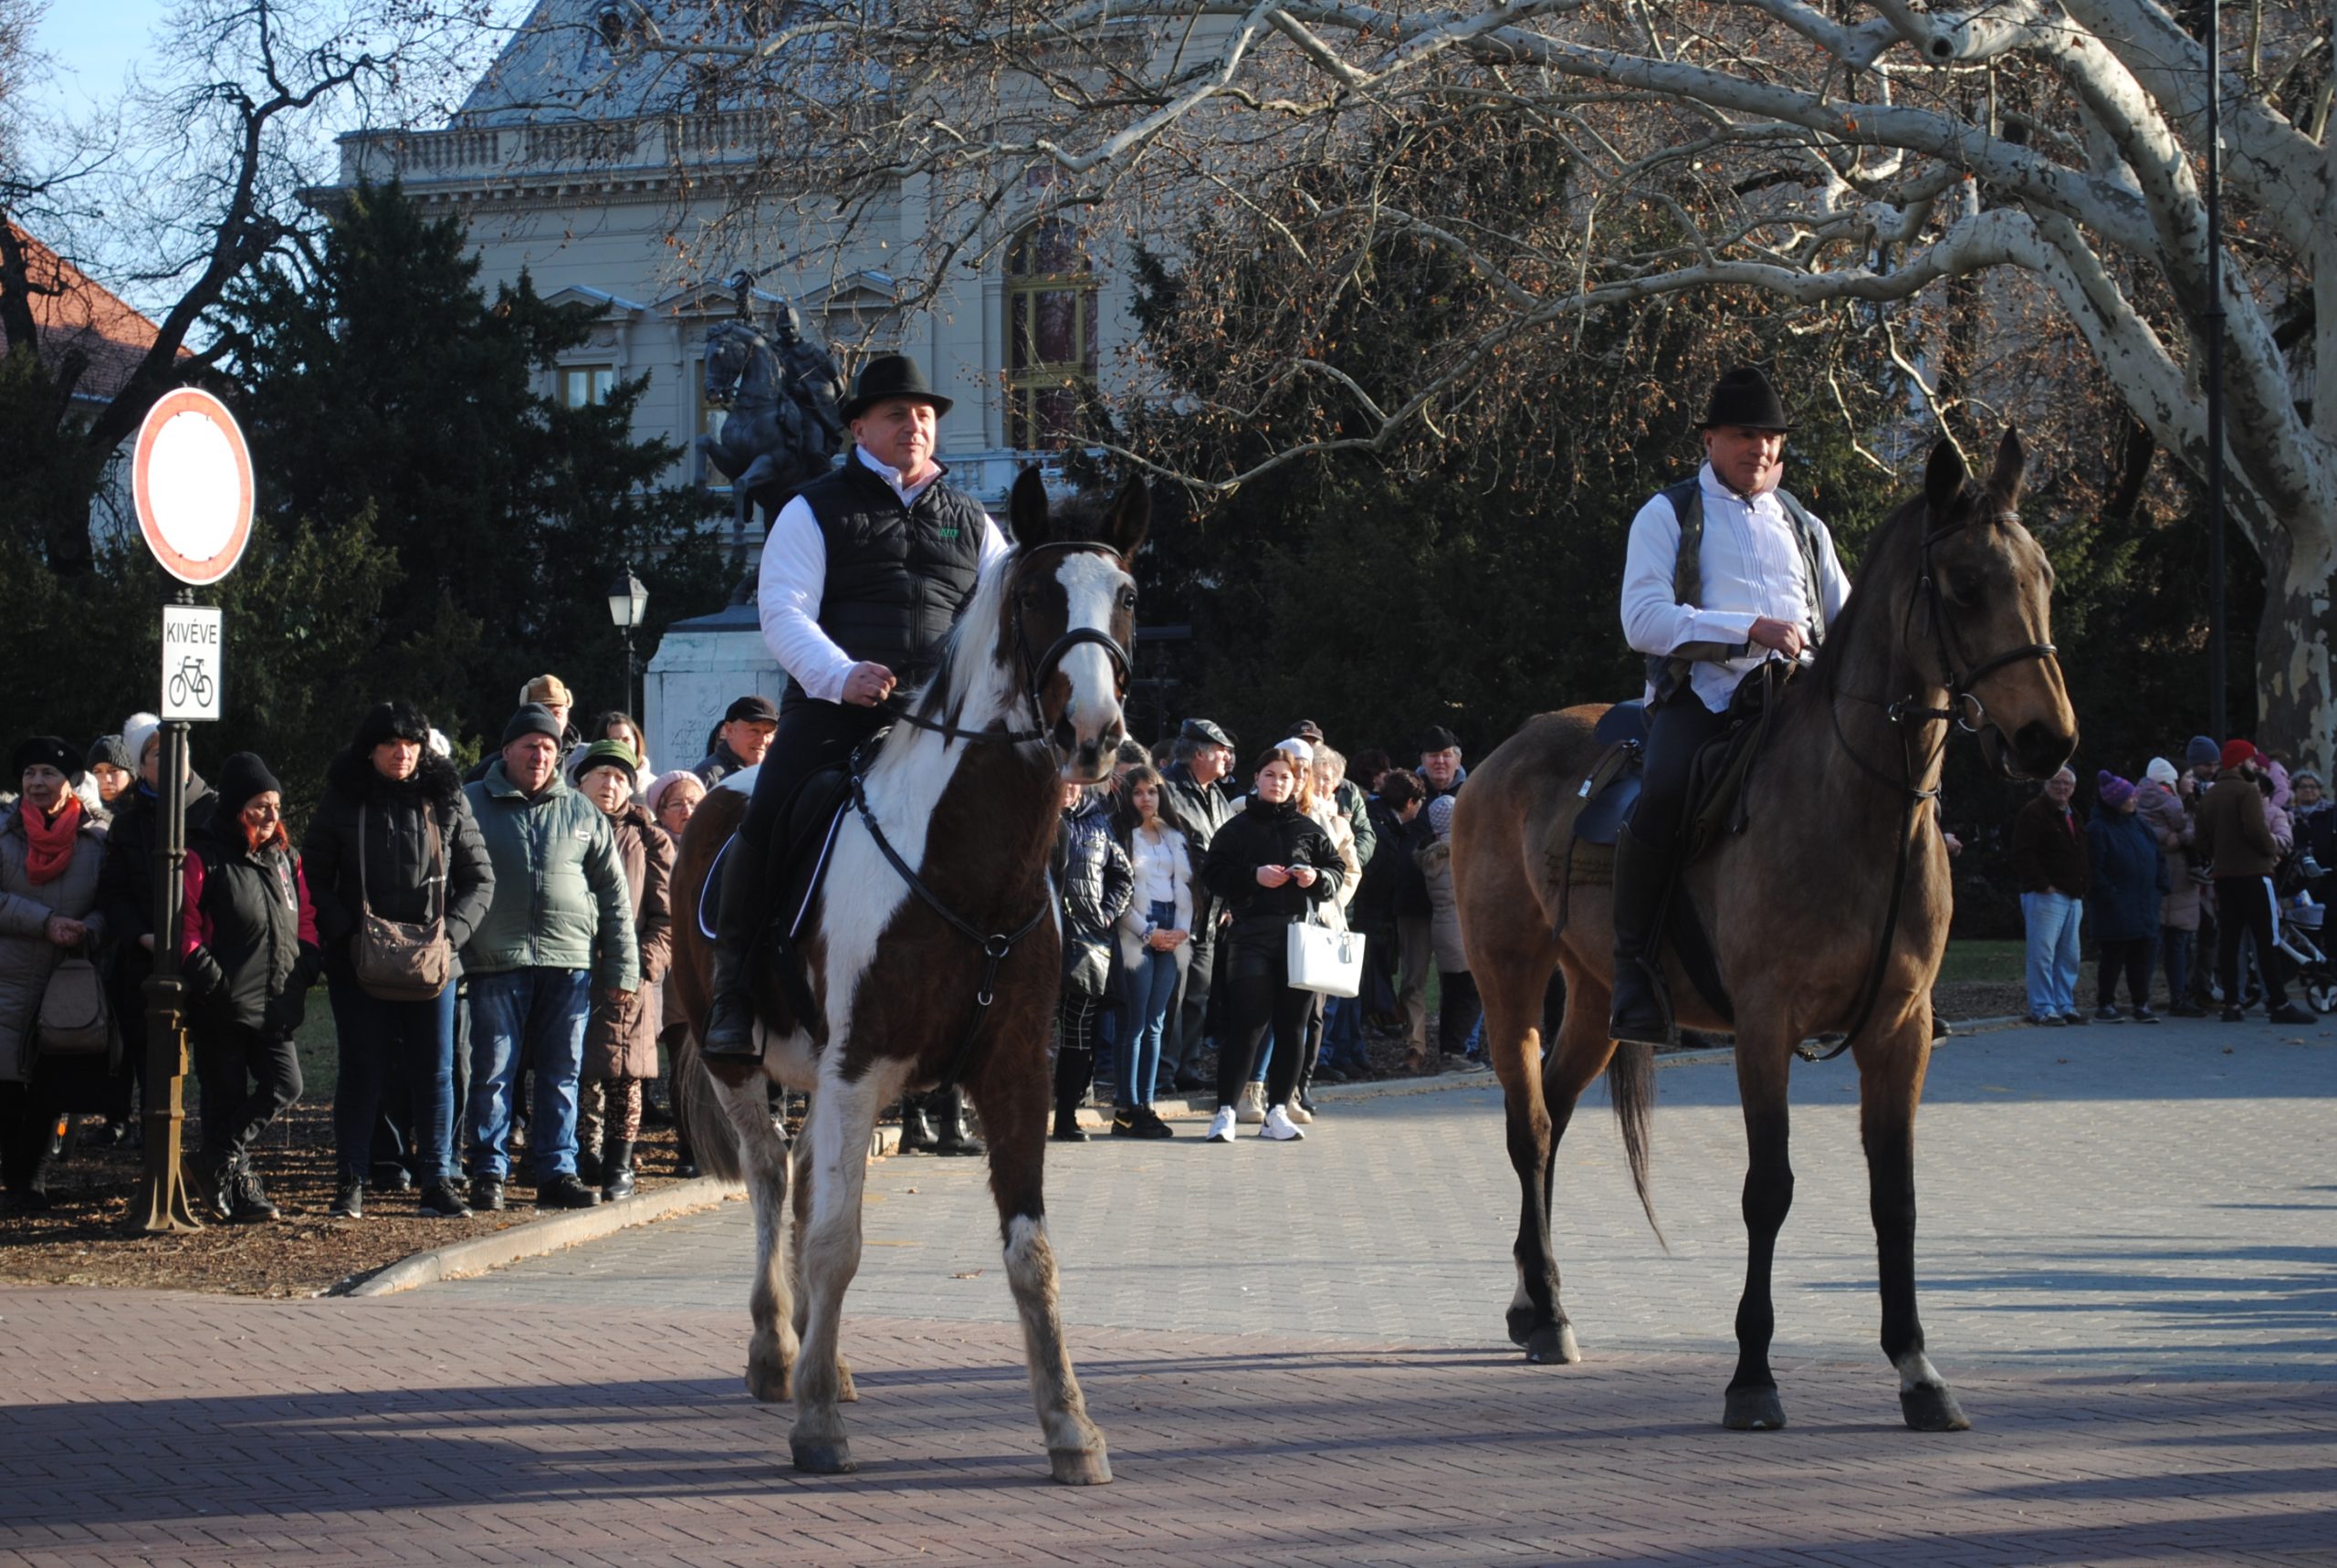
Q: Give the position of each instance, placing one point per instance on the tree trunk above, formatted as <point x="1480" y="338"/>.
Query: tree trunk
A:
<point x="2295" y="684"/>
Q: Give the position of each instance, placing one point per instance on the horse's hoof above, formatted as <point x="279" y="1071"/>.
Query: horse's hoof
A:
<point x="1080" y="1466"/>
<point x="766" y="1384"/>
<point x="823" y="1459"/>
<point x="1552" y="1344"/>
<point x="1753" y="1410"/>
<point x="1932" y="1407"/>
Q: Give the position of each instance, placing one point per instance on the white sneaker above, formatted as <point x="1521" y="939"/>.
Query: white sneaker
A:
<point x="1279" y="1127"/>
<point x="1221" y="1127"/>
<point x="1251" y="1107"/>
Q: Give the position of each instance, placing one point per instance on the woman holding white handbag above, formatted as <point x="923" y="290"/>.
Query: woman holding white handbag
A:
<point x="1274" y="866"/>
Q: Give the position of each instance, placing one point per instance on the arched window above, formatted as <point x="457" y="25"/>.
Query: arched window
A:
<point x="1050" y="336"/>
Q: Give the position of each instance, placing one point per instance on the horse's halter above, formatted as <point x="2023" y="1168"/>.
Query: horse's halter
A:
<point x="1036" y="671"/>
<point x="1964" y="704"/>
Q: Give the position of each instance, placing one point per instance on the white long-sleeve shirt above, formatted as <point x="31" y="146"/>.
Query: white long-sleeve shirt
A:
<point x="1752" y="568"/>
<point x="793" y="576"/>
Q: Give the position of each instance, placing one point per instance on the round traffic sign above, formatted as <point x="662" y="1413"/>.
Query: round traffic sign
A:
<point x="190" y="475"/>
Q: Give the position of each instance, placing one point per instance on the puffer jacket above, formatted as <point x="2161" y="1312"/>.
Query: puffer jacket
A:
<point x="620" y="1040"/>
<point x="1092" y="873"/>
<point x="248" y="944"/>
<point x="1445" y="912"/>
<point x="561" y="900"/>
<point x="1259" y="835"/>
<point x="27" y="954"/>
<point x="2162" y="812"/>
<point x="2129" y="877"/>
<point x="2233" y="836"/>
<point x="126" y="887"/>
<point x="399" y="871"/>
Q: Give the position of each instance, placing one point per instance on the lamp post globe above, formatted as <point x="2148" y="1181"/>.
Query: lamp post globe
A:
<point x="628" y="600"/>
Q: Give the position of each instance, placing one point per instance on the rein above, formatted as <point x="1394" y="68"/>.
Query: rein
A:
<point x="1964" y="710"/>
<point x="996" y="944"/>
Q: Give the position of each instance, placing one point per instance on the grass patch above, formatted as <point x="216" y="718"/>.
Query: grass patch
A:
<point x="2001" y="963"/>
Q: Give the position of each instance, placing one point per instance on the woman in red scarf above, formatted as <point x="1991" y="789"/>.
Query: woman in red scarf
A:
<point x="49" y="857"/>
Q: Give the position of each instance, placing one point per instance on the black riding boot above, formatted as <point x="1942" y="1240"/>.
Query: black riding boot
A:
<point x="616" y="1168"/>
<point x="917" y="1133"/>
<point x="950" y="1135"/>
<point x="1073" y="1067"/>
<point x="737" y="924"/>
<point x="1642" y="878"/>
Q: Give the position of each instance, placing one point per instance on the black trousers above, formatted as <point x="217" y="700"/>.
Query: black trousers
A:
<point x="812" y="735"/>
<point x="2244" y="908"/>
<point x="1458" y="1008"/>
<point x="248" y="1078"/>
<point x="1258" y="997"/>
<point x="25" y="1121"/>
<point x="1675" y="731"/>
<point x="2131" y="958"/>
<point x="1191" y="1019"/>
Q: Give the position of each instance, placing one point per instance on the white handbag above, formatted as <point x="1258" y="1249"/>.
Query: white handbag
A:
<point x="1325" y="960"/>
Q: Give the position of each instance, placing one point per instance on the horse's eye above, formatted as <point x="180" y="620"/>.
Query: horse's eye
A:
<point x="1127" y="599"/>
<point x="1963" y="588"/>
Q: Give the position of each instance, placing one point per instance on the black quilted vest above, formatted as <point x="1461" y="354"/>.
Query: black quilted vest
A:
<point x="897" y="575"/>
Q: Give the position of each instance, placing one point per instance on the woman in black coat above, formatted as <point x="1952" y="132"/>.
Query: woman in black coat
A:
<point x="1271" y="864"/>
<point x="1093" y="873"/>
<point x="420" y="853"/>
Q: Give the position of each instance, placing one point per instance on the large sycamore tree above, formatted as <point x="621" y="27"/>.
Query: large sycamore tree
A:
<point x="2033" y="169"/>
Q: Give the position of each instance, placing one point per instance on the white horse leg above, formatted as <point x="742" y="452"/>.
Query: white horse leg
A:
<point x="762" y="1151"/>
<point x="804" y="1185"/>
<point x="843" y="1115"/>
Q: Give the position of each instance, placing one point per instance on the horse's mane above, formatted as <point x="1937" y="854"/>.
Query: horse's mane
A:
<point x="958" y="680"/>
<point x="1889" y="556"/>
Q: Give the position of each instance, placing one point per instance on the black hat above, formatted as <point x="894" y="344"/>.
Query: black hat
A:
<point x="888" y="376"/>
<point x="1744" y="398"/>
<point x="532" y="718"/>
<point x="392" y="721"/>
<point x="1439" y="738"/>
<point x="241" y="777"/>
<point x="112" y="750"/>
<point x="1205" y="733"/>
<point x="44" y="750"/>
<point x="754" y="708"/>
<point x="1307" y="730"/>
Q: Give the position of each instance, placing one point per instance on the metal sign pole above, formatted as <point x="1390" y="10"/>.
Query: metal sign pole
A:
<point x="162" y="1203"/>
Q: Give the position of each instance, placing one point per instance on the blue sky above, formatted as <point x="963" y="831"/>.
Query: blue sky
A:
<point x="94" y="43"/>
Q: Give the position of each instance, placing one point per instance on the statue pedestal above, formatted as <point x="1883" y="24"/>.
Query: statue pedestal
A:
<point x="703" y="665"/>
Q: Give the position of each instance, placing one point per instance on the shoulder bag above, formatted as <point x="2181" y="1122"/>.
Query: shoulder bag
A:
<point x="395" y="961"/>
<point x="73" y="1020"/>
<point x="1323" y="959"/>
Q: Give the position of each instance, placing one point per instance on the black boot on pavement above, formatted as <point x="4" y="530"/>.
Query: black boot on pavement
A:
<point x="917" y="1129"/>
<point x="1073" y="1067"/>
<point x="348" y="1199"/>
<point x="439" y="1200"/>
<point x="616" y="1170"/>
<point x="564" y="1191"/>
<point x="950" y="1135"/>
<point x="250" y="1205"/>
<point x="487" y="1194"/>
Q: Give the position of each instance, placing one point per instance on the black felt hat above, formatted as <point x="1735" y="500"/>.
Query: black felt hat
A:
<point x="891" y="376"/>
<point x="1743" y="399"/>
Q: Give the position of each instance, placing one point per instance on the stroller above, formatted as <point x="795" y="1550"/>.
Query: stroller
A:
<point x="2300" y="934"/>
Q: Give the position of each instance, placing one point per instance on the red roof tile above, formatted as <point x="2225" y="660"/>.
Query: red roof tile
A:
<point x="75" y="312"/>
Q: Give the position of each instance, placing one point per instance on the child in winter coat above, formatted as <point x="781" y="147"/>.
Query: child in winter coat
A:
<point x="249" y="954"/>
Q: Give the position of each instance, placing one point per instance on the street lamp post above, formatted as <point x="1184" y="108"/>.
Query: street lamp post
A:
<point x="627" y="600"/>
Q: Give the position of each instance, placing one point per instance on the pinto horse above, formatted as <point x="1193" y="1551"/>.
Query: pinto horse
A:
<point x="912" y="981"/>
<point x="1949" y="627"/>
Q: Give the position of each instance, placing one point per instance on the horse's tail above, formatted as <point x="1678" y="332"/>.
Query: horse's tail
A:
<point x="1631" y="1085"/>
<point x="713" y="1140"/>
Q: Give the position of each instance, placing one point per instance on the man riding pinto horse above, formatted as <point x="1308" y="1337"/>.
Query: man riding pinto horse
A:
<point x="1725" y="572"/>
<point x="864" y="574"/>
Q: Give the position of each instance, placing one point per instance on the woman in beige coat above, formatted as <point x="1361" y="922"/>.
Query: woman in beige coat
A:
<point x="621" y="1039"/>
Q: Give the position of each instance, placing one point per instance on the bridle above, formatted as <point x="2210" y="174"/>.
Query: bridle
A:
<point x="1035" y="673"/>
<point x="1964" y="711"/>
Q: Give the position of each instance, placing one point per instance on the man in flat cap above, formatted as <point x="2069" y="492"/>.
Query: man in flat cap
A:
<point x="864" y="573"/>
<point x="1725" y="572"/>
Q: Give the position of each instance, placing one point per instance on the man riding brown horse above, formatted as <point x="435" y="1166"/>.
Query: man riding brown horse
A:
<point x="1726" y="573"/>
<point x="864" y="574"/>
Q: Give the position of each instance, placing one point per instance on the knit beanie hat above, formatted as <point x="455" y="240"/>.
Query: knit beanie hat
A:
<point x="109" y="750"/>
<point x="613" y="754"/>
<point x="44" y="750"/>
<point x="2113" y="792"/>
<point x="389" y="721"/>
<point x="655" y="796"/>
<point x="242" y="777"/>
<point x="2235" y="752"/>
<point x="2201" y="749"/>
<point x="532" y="718"/>
<point x="136" y="731"/>
<point x="2161" y="771"/>
<point x="1440" y="817"/>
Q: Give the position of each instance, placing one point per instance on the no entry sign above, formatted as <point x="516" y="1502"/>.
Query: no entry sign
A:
<point x="190" y="475"/>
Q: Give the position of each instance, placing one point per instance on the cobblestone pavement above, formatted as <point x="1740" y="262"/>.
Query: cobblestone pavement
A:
<point x="2128" y="1260"/>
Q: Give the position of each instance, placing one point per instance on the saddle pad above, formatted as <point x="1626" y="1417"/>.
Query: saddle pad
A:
<point x="813" y="827"/>
<point x="1624" y="721"/>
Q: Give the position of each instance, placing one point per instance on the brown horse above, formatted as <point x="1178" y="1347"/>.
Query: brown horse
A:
<point x="1951" y="616"/>
<point x="909" y="981"/>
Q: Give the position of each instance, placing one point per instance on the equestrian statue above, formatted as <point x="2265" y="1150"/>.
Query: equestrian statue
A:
<point x="783" y="426"/>
<point x="1755" y="848"/>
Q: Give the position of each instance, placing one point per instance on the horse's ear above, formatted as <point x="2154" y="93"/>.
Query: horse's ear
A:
<point x="2004" y="480"/>
<point x="1943" y="477"/>
<point x="1026" y="508"/>
<point x="1130" y="516"/>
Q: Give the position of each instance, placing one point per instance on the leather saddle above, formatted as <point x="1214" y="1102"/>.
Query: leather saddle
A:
<point x="797" y="866"/>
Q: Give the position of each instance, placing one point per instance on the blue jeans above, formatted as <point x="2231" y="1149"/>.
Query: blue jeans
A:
<point x="530" y="1018"/>
<point x="1151" y="988"/>
<point x="2053" y="919"/>
<point x="1343" y="1033"/>
<point x="413" y="1040"/>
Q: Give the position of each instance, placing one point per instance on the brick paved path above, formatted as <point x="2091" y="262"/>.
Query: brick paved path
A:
<point x="2128" y="1262"/>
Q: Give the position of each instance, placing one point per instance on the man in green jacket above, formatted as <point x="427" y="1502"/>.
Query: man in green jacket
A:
<point x="559" y="927"/>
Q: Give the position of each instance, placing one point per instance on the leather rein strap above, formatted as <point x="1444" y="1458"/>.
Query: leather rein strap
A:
<point x="1966" y="710"/>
